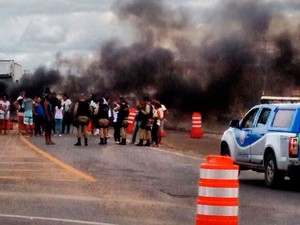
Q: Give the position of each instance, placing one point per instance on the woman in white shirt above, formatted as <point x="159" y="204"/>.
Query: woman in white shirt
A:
<point x="67" y="119"/>
<point x="58" y="116"/>
<point x="4" y="113"/>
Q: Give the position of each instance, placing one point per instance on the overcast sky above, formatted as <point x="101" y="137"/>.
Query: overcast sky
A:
<point x="33" y="31"/>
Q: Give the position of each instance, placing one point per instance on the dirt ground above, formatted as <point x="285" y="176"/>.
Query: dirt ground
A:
<point x="181" y="142"/>
<point x="178" y="137"/>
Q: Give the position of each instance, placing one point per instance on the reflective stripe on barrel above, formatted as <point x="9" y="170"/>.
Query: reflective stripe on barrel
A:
<point x="196" y="131"/>
<point x="218" y="192"/>
<point x="226" y="174"/>
<point x="217" y="210"/>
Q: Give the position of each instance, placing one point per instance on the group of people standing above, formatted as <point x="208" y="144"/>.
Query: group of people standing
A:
<point x="148" y="126"/>
<point x="43" y="115"/>
<point x="48" y="114"/>
<point x="149" y="123"/>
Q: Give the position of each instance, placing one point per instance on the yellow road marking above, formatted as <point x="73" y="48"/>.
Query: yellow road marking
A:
<point x="28" y="170"/>
<point x="24" y="163"/>
<point x="10" y="178"/>
<point x="57" y="161"/>
<point x="36" y="178"/>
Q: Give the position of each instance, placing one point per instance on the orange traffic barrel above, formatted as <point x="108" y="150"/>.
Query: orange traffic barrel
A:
<point x="163" y="133"/>
<point x="10" y="125"/>
<point x="90" y="126"/>
<point x="196" y="131"/>
<point x="218" y="192"/>
<point x="131" y="118"/>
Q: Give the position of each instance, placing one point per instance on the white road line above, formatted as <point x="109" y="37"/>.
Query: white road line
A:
<point x="53" y="219"/>
<point x="201" y="158"/>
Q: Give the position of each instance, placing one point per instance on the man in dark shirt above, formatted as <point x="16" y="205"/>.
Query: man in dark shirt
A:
<point x="82" y="112"/>
<point x="122" y="108"/>
<point x="103" y="120"/>
<point x="48" y="119"/>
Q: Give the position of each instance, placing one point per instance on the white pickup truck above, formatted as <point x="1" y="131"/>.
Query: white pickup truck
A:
<point x="266" y="140"/>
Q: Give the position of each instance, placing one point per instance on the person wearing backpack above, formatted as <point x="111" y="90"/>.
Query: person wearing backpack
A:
<point x="144" y="132"/>
<point x="102" y="113"/>
<point x="82" y="112"/>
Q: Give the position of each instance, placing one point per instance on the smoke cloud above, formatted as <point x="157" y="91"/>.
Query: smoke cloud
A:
<point x="221" y="61"/>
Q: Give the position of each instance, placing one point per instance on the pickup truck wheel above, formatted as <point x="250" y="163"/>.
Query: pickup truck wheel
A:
<point x="225" y="150"/>
<point x="273" y="177"/>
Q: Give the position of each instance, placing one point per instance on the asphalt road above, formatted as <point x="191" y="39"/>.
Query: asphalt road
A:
<point x="105" y="184"/>
<point x="64" y="184"/>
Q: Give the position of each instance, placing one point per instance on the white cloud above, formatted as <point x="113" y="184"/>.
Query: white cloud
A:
<point x="33" y="31"/>
<point x="43" y="31"/>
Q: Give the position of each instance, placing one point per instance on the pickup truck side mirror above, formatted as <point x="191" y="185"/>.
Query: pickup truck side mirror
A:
<point x="234" y="123"/>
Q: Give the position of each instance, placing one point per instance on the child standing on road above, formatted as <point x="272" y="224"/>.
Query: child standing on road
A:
<point x="58" y="119"/>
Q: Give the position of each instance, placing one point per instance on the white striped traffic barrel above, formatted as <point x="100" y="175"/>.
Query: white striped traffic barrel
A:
<point x="131" y="118"/>
<point x="196" y="131"/>
<point x="218" y="192"/>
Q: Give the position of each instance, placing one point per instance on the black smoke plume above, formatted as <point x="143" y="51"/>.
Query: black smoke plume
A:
<point x="33" y="84"/>
<point x="216" y="60"/>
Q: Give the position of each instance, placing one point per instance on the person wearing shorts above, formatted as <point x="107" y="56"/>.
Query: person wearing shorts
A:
<point x="82" y="112"/>
<point x="4" y="113"/>
<point x="48" y="120"/>
<point x="28" y="115"/>
<point x="18" y="105"/>
<point x="103" y="120"/>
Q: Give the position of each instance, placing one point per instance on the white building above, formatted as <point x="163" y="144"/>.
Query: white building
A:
<point x="10" y="70"/>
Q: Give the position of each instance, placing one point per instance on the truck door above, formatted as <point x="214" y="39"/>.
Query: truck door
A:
<point x="258" y="136"/>
<point x="243" y="135"/>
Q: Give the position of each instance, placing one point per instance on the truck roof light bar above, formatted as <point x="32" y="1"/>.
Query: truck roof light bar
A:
<point x="279" y="99"/>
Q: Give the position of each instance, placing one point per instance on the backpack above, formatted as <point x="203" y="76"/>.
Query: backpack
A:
<point x="103" y="111"/>
<point x="104" y="107"/>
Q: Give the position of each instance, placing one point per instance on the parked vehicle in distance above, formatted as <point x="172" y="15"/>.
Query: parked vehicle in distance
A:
<point x="266" y="139"/>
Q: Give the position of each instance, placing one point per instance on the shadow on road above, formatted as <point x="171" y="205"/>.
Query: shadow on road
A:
<point x="286" y="185"/>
